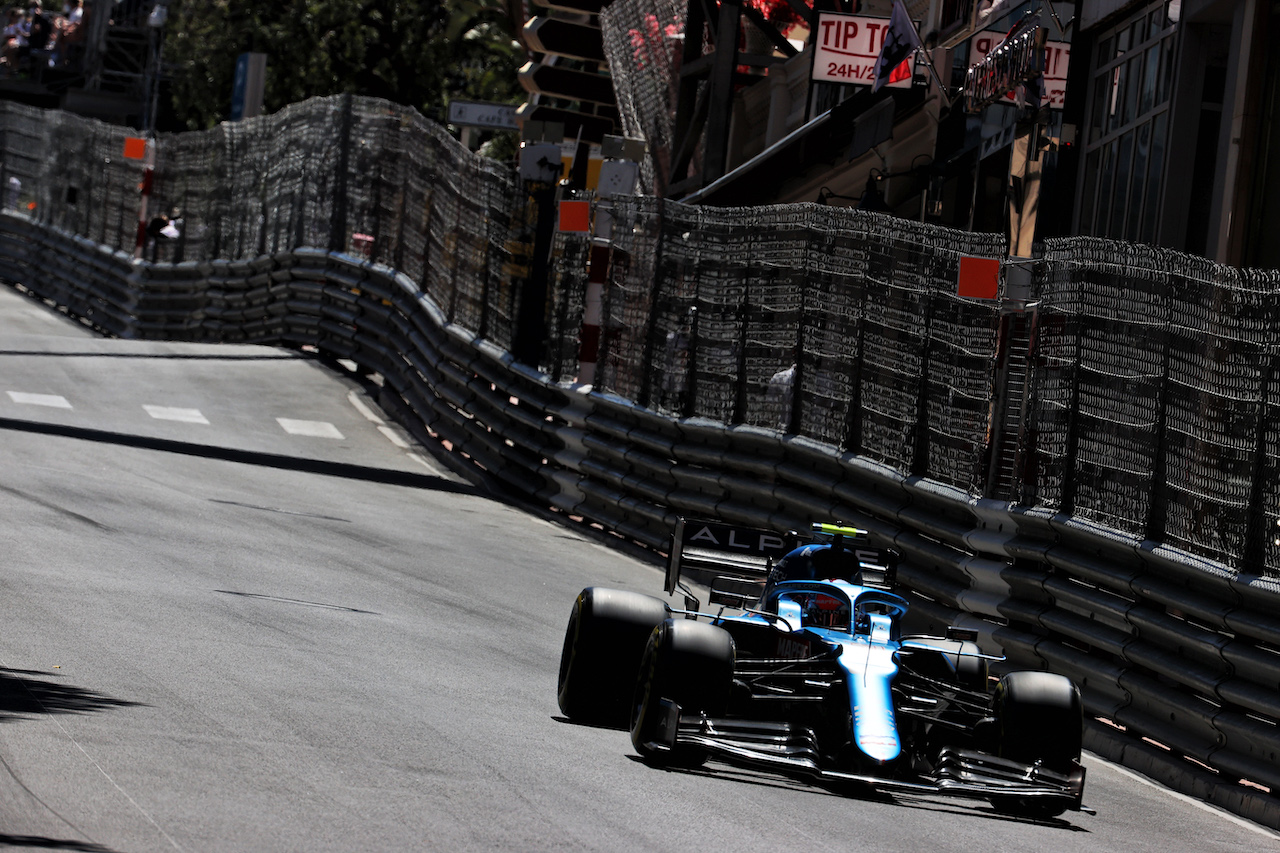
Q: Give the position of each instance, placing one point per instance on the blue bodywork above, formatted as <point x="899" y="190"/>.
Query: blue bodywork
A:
<point x="862" y="623"/>
<point x="817" y="680"/>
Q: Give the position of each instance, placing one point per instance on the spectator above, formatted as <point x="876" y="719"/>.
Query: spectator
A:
<point x="71" y="33"/>
<point x="40" y="28"/>
<point x="15" y="40"/>
<point x="40" y="39"/>
<point x="779" y="395"/>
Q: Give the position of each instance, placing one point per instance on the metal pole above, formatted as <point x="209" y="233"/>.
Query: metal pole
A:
<point x="150" y="99"/>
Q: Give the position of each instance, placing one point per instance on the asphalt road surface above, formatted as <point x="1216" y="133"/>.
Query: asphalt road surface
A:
<point x="237" y="612"/>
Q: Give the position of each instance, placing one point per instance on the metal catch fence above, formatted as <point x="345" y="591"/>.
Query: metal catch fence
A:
<point x="1156" y="398"/>
<point x="828" y="322"/>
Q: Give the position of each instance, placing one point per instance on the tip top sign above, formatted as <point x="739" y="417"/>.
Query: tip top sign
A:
<point x="846" y="48"/>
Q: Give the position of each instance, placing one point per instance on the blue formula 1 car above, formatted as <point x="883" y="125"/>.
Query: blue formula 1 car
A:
<point x="814" y="678"/>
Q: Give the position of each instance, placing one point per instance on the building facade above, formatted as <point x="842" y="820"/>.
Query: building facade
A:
<point x="1156" y="122"/>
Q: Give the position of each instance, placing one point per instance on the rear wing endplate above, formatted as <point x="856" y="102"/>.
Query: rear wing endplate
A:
<point x="724" y="549"/>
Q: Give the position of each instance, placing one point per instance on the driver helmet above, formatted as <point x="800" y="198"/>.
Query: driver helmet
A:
<point x="806" y="563"/>
<point x="812" y="562"/>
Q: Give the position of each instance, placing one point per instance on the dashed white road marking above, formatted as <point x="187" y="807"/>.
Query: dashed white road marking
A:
<point x="394" y="437"/>
<point x="363" y="409"/>
<point x="169" y="413"/>
<point x="314" y="429"/>
<point x="52" y="400"/>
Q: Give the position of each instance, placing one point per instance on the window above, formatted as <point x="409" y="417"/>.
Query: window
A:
<point x="1128" y="119"/>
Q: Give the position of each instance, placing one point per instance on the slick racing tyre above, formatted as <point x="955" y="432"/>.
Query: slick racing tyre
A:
<point x="607" y="632"/>
<point x="1039" y="718"/>
<point x="690" y="664"/>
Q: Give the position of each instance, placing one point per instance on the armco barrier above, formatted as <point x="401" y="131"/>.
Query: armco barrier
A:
<point x="1177" y="657"/>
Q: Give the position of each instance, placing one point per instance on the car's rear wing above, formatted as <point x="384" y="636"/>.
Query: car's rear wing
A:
<point x="739" y="558"/>
<point x="724" y="550"/>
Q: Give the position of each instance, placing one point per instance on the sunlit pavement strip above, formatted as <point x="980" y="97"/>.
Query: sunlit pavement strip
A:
<point x="368" y="413"/>
<point x="394" y="437"/>
<point x="371" y="416"/>
<point x="424" y="463"/>
<point x="314" y="429"/>
<point x="168" y="413"/>
<point x="51" y="400"/>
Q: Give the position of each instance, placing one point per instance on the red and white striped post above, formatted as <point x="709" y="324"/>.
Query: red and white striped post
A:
<point x="618" y="174"/>
<point x="138" y="148"/>
<point x="592" y="310"/>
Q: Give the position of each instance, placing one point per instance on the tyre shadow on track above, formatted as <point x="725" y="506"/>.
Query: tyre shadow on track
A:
<point x="560" y="718"/>
<point x="27" y="693"/>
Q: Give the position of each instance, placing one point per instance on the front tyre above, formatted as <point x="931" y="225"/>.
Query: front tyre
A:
<point x="603" y="642"/>
<point x="1039" y="718"/>
<point x="686" y="663"/>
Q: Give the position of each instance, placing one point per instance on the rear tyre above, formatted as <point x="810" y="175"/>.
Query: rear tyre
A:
<point x="606" y="636"/>
<point x="1039" y="718"/>
<point x="690" y="664"/>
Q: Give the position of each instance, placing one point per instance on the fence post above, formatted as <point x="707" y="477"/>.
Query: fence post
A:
<point x="740" y="392"/>
<point x="853" y="429"/>
<point x="797" y="382"/>
<point x="338" y="218"/>
<point x="651" y="333"/>
<point x="526" y="345"/>
<point x="920" y="452"/>
<point x="1257" y="531"/>
<point x="690" y="407"/>
<point x="1158" y="511"/>
<point x="1067" y="501"/>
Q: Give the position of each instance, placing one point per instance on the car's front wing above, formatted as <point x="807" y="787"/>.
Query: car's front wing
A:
<point x="792" y="750"/>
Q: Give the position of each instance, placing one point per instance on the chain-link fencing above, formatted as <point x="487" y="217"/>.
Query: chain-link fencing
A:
<point x="837" y="324"/>
<point x="1157" y="408"/>
<point x="344" y="174"/>
<point x="650" y="34"/>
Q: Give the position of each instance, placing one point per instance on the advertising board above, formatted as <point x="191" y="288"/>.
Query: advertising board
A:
<point x="846" y="48"/>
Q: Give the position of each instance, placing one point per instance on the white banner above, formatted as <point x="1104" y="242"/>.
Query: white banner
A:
<point x="846" y="49"/>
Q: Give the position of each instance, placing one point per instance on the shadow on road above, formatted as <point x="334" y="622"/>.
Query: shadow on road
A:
<point x="25" y="692"/>
<point x="247" y="457"/>
<point x="166" y="356"/>
<point x="726" y="772"/>
<point x="39" y="842"/>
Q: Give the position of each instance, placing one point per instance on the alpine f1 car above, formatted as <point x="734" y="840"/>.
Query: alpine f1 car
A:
<point x="804" y="669"/>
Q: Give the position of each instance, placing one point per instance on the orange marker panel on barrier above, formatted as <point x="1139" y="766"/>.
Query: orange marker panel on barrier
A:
<point x="979" y="277"/>
<point x="135" y="147"/>
<point x="575" y="216"/>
